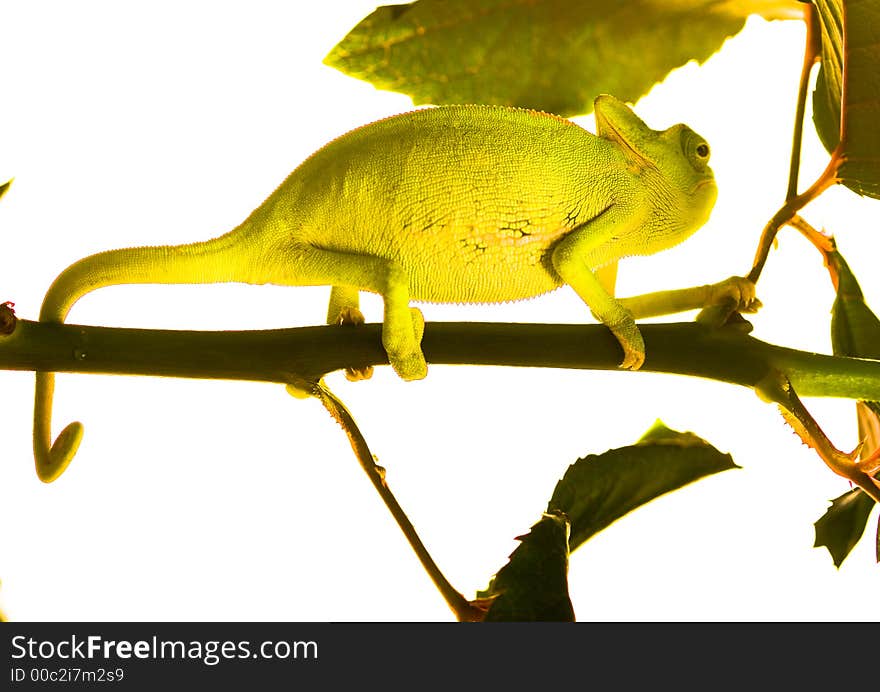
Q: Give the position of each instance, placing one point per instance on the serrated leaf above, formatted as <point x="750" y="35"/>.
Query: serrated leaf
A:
<point x="855" y="332"/>
<point x="660" y="434"/>
<point x="533" y="585"/>
<point x="599" y="489"/>
<point x="855" y="329"/>
<point x="868" y="417"/>
<point x="859" y="20"/>
<point x="551" y="55"/>
<point x="843" y="524"/>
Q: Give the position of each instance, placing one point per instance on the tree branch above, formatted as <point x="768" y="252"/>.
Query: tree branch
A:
<point x="307" y="353"/>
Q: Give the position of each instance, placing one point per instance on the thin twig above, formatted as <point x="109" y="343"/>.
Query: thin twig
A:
<point x="463" y="609"/>
<point x="824" y="243"/>
<point x="790" y="209"/>
<point x="794" y="202"/>
<point x="778" y="389"/>
<point x="811" y="56"/>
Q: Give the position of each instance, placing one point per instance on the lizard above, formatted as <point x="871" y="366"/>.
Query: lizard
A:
<point x="464" y="204"/>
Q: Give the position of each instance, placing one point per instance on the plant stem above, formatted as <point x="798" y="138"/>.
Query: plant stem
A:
<point x="811" y="56"/>
<point x="464" y="611"/>
<point x="778" y="389"/>
<point x="788" y="211"/>
<point x="308" y="353"/>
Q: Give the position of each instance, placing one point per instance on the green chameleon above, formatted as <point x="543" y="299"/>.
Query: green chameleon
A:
<point x="464" y="204"/>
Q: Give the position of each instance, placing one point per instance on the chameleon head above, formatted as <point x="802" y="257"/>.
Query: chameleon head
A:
<point x="677" y="160"/>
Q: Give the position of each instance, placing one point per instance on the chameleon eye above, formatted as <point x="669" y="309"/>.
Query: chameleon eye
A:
<point x="694" y="148"/>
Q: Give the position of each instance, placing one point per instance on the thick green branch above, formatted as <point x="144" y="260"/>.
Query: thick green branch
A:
<point x="287" y="355"/>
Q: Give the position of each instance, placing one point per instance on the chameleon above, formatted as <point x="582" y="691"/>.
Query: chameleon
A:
<point x="464" y="204"/>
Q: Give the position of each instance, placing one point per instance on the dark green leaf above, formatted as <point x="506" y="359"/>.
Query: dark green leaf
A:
<point x="855" y="329"/>
<point x="660" y="434"/>
<point x="599" y="489"/>
<point x="841" y="527"/>
<point x="533" y="585"/>
<point x="552" y="55"/>
<point x="596" y="490"/>
<point x="826" y="97"/>
<point x="855" y="332"/>
<point x="860" y="21"/>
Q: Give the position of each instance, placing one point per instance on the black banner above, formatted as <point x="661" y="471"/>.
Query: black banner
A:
<point x="125" y="656"/>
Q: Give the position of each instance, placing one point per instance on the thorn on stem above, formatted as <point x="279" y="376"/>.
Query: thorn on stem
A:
<point x="776" y="388"/>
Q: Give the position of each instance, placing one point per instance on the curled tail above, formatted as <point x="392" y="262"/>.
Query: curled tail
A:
<point x="219" y="260"/>
<point x="51" y="461"/>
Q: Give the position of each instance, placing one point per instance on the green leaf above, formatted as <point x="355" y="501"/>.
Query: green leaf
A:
<point x="533" y="585"/>
<point x="660" y="434"/>
<point x="855" y="329"/>
<point x="826" y="96"/>
<point x="841" y="527"/>
<point x="860" y="21"/>
<point x="4" y="187"/>
<point x="551" y="55"/>
<point x="855" y="332"/>
<point x="599" y="489"/>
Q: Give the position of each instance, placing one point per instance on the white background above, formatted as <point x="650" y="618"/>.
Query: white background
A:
<point x="169" y="122"/>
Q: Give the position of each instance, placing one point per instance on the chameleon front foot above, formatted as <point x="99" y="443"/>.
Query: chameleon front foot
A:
<point x="737" y="290"/>
<point x="630" y="339"/>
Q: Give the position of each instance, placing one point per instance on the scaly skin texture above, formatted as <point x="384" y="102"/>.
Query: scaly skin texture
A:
<point x="452" y="204"/>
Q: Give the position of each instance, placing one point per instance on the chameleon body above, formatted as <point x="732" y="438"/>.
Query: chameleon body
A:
<point x="468" y="204"/>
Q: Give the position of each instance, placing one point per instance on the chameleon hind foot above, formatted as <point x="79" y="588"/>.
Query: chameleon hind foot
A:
<point x="350" y="316"/>
<point x="408" y="363"/>
<point x="358" y="374"/>
<point x="410" y="367"/>
<point x="301" y="388"/>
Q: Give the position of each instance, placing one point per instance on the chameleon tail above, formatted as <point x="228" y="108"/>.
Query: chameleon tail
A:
<point x="51" y="461"/>
<point x="213" y="261"/>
